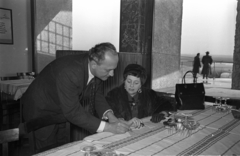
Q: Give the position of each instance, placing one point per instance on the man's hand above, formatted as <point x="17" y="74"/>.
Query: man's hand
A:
<point x="111" y="117"/>
<point x="117" y="127"/>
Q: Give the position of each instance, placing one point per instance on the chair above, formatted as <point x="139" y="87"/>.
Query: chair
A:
<point x="26" y="75"/>
<point x="27" y="129"/>
<point x="10" y="78"/>
<point x="8" y="105"/>
<point x="7" y="136"/>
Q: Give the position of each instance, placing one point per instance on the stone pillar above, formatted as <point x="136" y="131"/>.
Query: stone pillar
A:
<point x="166" y="43"/>
<point x="236" y="54"/>
<point x="136" y="23"/>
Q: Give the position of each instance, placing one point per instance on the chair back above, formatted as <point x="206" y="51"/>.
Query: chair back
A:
<point x="8" y="106"/>
<point x="9" y="78"/>
<point x="7" y="136"/>
<point x="26" y="75"/>
<point x="61" y="53"/>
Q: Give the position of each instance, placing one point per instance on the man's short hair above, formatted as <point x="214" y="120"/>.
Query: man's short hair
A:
<point x="97" y="53"/>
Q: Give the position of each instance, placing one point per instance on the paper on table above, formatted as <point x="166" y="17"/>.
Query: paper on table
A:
<point x="74" y="148"/>
<point x="98" y="136"/>
<point x="105" y="138"/>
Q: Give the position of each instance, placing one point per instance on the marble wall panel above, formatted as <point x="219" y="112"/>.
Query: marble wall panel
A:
<point x="166" y="43"/>
<point x="136" y="31"/>
<point x="165" y="70"/>
<point x="136" y="26"/>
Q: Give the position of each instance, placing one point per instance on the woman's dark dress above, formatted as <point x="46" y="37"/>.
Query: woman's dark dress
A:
<point x="148" y="102"/>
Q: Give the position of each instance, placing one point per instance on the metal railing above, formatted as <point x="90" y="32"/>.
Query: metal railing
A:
<point x="218" y="67"/>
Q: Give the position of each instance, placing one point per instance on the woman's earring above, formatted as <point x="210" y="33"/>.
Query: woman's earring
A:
<point x="139" y="90"/>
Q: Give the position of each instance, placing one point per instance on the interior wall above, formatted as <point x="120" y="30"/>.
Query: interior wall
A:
<point x="16" y="57"/>
<point x="53" y="30"/>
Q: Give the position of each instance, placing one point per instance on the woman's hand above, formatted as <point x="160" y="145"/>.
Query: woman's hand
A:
<point x="135" y="122"/>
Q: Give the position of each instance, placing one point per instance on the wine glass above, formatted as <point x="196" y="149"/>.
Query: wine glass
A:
<point x="228" y="106"/>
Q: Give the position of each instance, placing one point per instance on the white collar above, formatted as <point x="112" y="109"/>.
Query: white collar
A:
<point x="90" y="75"/>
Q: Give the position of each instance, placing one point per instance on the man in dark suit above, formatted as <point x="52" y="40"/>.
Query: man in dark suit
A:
<point x="62" y="85"/>
<point x="207" y="62"/>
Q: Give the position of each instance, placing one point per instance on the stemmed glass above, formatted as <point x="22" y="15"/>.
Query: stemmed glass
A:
<point x="226" y="105"/>
<point x="217" y="103"/>
<point x="221" y="105"/>
<point x="225" y="100"/>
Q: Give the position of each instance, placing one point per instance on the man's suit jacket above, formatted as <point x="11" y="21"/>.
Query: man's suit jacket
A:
<point x="56" y="90"/>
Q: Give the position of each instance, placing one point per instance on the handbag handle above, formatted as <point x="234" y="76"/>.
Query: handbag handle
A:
<point x="184" y="76"/>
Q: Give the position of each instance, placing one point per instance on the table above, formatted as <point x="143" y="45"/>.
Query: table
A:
<point x="218" y="134"/>
<point x="222" y="92"/>
<point x="15" y="88"/>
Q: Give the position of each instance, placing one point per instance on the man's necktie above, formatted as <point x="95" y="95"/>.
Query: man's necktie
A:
<point x="92" y="96"/>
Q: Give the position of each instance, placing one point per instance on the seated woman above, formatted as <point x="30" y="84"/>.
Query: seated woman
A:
<point x="132" y="101"/>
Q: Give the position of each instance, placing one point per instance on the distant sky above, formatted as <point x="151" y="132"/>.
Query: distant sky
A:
<point x="95" y="21"/>
<point x="208" y="25"/>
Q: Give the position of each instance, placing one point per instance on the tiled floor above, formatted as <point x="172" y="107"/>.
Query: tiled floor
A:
<point x="21" y="148"/>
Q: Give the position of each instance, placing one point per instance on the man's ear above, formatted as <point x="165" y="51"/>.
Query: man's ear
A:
<point x="93" y="64"/>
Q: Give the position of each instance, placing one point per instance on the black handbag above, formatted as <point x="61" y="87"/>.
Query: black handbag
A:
<point x="190" y="96"/>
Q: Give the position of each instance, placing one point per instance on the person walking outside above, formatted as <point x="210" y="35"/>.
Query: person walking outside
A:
<point x="196" y="66"/>
<point x="207" y="62"/>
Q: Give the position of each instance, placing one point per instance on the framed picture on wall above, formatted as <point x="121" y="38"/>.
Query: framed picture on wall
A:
<point x="6" y="26"/>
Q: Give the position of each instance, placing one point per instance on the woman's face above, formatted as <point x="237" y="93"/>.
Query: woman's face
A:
<point x="132" y="84"/>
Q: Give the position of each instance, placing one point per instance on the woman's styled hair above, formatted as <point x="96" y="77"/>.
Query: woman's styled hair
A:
<point x="137" y="71"/>
<point x="97" y="53"/>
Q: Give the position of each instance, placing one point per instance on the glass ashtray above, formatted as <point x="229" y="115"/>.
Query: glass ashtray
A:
<point x="222" y="108"/>
<point x="191" y="125"/>
<point x="103" y="153"/>
<point x="181" y="123"/>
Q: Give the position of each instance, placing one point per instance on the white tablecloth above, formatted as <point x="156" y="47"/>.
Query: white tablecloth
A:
<point x="15" y="88"/>
<point x="218" y="134"/>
